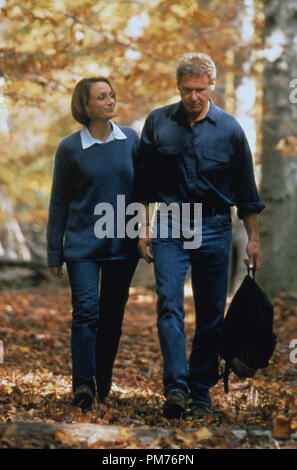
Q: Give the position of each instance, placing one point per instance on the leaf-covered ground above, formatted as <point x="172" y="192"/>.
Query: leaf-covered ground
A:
<point x="35" y="382"/>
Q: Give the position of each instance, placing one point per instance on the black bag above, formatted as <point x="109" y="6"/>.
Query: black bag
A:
<point x="248" y="337"/>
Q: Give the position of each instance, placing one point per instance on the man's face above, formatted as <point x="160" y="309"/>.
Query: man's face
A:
<point x="195" y="93"/>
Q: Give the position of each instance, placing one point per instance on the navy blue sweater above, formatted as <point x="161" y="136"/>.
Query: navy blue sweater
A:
<point x="83" y="178"/>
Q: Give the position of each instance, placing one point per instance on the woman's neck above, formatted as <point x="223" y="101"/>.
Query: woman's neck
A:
<point x="100" y="129"/>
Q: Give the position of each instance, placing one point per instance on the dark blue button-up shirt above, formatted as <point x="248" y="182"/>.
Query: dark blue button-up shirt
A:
<point x="210" y="162"/>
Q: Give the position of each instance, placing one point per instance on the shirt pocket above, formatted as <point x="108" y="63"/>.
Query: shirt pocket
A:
<point x="213" y="160"/>
<point x="169" y="150"/>
<point x="169" y="157"/>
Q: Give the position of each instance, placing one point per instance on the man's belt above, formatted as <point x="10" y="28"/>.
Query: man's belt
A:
<point x="208" y="210"/>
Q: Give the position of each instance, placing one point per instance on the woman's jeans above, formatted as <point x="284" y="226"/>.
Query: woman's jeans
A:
<point x="97" y="319"/>
<point x="209" y="270"/>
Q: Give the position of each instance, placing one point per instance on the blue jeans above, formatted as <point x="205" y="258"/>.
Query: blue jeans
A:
<point x="97" y="319"/>
<point x="209" y="270"/>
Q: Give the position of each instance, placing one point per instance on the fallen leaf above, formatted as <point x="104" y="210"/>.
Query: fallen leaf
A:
<point x="184" y="437"/>
<point x="10" y="431"/>
<point x="293" y="424"/>
<point x="287" y="145"/>
<point x="85" y="418"/>
<point x="99" y="444"/>
<point x="166" y="443"/>
<point x="6" y="389"/>
<point x="281" y="428"/>
<point x="107" y="416"/>
<point x="63" y="437"/>
<point x="202" y="434"/>
<point x="124" y="434"/>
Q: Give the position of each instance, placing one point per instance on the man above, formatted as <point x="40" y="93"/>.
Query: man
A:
<point x="194" y="152"/>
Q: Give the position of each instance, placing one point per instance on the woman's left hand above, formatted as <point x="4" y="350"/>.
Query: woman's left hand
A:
<point x="56" y="271"/>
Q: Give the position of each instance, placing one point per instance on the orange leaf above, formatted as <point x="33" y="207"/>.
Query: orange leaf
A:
<point x="203" y="434"/>
<point x="294" y="425"/>
<point x="282" y="428"/>
<point x="63" y="437"/>
<point x="287" y="145"/>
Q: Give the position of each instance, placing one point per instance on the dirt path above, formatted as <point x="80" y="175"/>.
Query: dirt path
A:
<point x="35" y="384"/>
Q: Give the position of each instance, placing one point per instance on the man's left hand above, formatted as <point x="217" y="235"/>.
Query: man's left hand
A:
<point x="254" y="260"/>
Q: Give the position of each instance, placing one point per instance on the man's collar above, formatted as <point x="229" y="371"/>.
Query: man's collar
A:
<point x="87" y="140"/>
<point x="181" y="115"/>
<point x="212" y="113"/>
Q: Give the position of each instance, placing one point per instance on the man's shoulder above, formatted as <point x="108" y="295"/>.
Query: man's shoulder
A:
<point x="165" y="111"/>
<point x="227" y="119"/>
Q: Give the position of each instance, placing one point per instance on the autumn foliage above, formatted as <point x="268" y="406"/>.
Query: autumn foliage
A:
<point x="35" y="382"/>
<point x="45" y="51"/>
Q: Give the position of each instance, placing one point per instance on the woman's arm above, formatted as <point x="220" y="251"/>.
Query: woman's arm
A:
<point x="56" y="271"/>
<point x="58" y="207"/>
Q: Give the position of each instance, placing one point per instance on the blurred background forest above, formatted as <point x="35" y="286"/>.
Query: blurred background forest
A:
<point x="47" y="46"/>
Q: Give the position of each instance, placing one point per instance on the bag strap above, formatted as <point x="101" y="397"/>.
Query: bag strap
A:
<point x="223" y="372"/>
<point x="253" y="272"/>
<point x="226" y="377"/>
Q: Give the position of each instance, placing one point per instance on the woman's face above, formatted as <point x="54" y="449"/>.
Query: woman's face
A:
<point x="101" y="103"/>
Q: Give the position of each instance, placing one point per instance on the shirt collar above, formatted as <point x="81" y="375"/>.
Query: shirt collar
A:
<point x="181" y="115"/>
<point x="212" y="113"/>
<point x="87" y="140"/>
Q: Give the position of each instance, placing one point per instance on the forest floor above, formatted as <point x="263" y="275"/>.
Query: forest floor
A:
<point x="35" y="384"/>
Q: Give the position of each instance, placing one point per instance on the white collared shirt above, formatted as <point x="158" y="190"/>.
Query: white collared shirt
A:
<point x="87" y="140"/>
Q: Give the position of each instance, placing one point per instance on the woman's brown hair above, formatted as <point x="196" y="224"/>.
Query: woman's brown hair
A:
<point x="80" y="98"/>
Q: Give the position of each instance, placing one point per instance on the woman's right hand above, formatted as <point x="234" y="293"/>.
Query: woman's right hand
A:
<point x="56" y="271"/>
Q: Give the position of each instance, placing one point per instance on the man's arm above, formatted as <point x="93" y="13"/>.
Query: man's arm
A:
<point x="145" y="187"/>
<point x="243" y="178"/>
<point x="247" y="198"/>
<point x="250" y="221"/>
<point x="145" y="241"/>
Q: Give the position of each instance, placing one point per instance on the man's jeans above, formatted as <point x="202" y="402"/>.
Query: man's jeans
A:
<point x="209" y="269"/>
<point x="97" y="318"/>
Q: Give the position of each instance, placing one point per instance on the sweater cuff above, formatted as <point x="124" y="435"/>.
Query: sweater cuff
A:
<point x="54" y="259"/>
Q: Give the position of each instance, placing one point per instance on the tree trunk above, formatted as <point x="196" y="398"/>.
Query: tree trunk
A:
<point x="278" y="221"/>
<point x="15" y="251"/>
<point x="243" y="110"/>
<point x="12" y="240"/>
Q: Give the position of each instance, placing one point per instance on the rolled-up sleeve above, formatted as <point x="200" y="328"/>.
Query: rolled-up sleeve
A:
<point x="243" y="179"/>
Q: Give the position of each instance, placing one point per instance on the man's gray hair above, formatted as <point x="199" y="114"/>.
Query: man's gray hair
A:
<point x="196" y="64"/>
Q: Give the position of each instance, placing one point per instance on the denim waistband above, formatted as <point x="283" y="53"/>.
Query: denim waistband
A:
<point x="192" y="211"/>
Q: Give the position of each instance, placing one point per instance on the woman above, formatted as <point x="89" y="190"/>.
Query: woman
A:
<point x="92" y="166"/>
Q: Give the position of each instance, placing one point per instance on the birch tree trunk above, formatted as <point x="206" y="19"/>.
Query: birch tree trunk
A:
<point x="12" y="241"/>
<point x="244" y="111"/>
<point x="14" y="248"/>
<point x="278" y="221"/>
